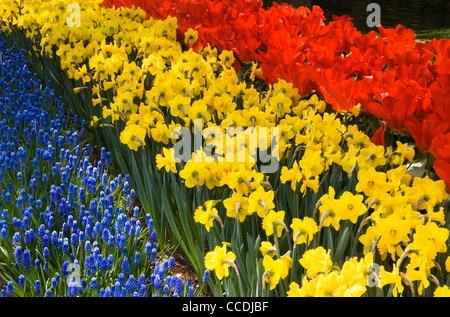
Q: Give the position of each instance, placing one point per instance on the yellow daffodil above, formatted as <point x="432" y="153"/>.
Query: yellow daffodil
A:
<point x="237" y="206"/>
<point x="190" y="36"/>
<point x="274" y="219"/>
<point x="272" y="271"/>
<point x="167" y="160"/>
<point x="194" y="174"/>
<point x="350" y="206"/>
<point x="442" y="291"/>
<point x="207" y="216"/>
<point x="261" y="201"/>
<point x="268" y="248"/>
<point x="304" y="230"/>
<point x="220" y="260"/>
<point x="316" y="261"/>
<point x="393" y="277"/>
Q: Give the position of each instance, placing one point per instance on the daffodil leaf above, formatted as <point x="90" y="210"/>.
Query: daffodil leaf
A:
<point x="342" y="245"/>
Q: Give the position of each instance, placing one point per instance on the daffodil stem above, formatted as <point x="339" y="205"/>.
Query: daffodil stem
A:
<point x="275" y="239"/>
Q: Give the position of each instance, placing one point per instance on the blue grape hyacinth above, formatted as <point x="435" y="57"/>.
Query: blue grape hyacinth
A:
<point x="71" y="226"/>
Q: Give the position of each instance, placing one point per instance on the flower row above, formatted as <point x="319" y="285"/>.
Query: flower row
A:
<point x="68" y="226"/>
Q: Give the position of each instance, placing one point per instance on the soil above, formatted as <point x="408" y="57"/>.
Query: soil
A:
<point x="184" y="268"/>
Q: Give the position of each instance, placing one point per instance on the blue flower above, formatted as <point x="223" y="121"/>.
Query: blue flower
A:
<point x="81" y="237"/>
<point x="125" y="266"/>
<point x="171" y="262"/>
<point x="137" y="258"/>
<point x="70" y="220"/>
<point x="157" y="282"/>
<point x="141" y="280"/>
<point x="153" y="255"/>
<point x="88" y="230"/>
<point x="105" y="235"/>
<point x="65" y="245"/>
<point x="54" y="239"/>
<point x="126" y="188"/>
<point x="179" y="287"/>
<point x="16" y="238"/>
<point x="19" y="203"/>
<point x="110" y="262"/>
<point x="9" y="288"/>
<point x="121" y="279"/>
<point x="130" y="284"/>
<point x="81" y="196"/>
<point x="51" y="222"/>
<point x="21" y="280"/>
<point x="166" y="289"/>
<point x="127" y="227"/>
<point x="148" y="248"/>
<point x="72" y="289"/>
<point x="53" y="282"/>
<point x="26" y="259"/>
<point x="48" y="293"/>
<point x="103" y="266"/>
<point x="107" y="292"/>
<point x="74" y="240"/>
<point x="188" y="282"/>
<point x="41" y="231"/>
<point x="122" y="242"/>
<point x="165" y="267"/>
<point x="153" y="237"/>
<point x="110" y="242"/>
<point x="136" y="212"/>
<point x="206" y="276"/>
<point x="87" y="247"/>
<point x="93" y="284"/>
<point x="28" y="239"/>
<point x="46" y="253"/>
<point x="142" y="290"/>
<point x="83" y="283"/>
<point x="18" y="255"/>
<point x="117" y="292"/>
<point x="37" y="287"/>
<point x="64" y="268"/>
<point x="105" y="179"/>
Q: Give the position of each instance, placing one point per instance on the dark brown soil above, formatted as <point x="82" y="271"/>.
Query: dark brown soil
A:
<point x="185" y="269"/>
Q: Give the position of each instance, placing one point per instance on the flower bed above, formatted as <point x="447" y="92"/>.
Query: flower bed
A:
<point x="337" y="206"/>
<point x="69" y="227"/>
<point x="392" y="76"/>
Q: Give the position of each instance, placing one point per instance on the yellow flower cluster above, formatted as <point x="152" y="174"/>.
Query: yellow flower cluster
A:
<point x="323" y="279"/>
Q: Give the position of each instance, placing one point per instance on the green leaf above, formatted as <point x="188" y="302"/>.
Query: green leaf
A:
<point x="342" y="245"/>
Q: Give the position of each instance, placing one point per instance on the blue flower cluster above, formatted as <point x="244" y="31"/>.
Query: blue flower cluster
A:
<point x="68" y="226"/>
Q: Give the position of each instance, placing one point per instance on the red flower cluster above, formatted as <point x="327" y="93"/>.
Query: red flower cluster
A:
<point x="399" y="80"/>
